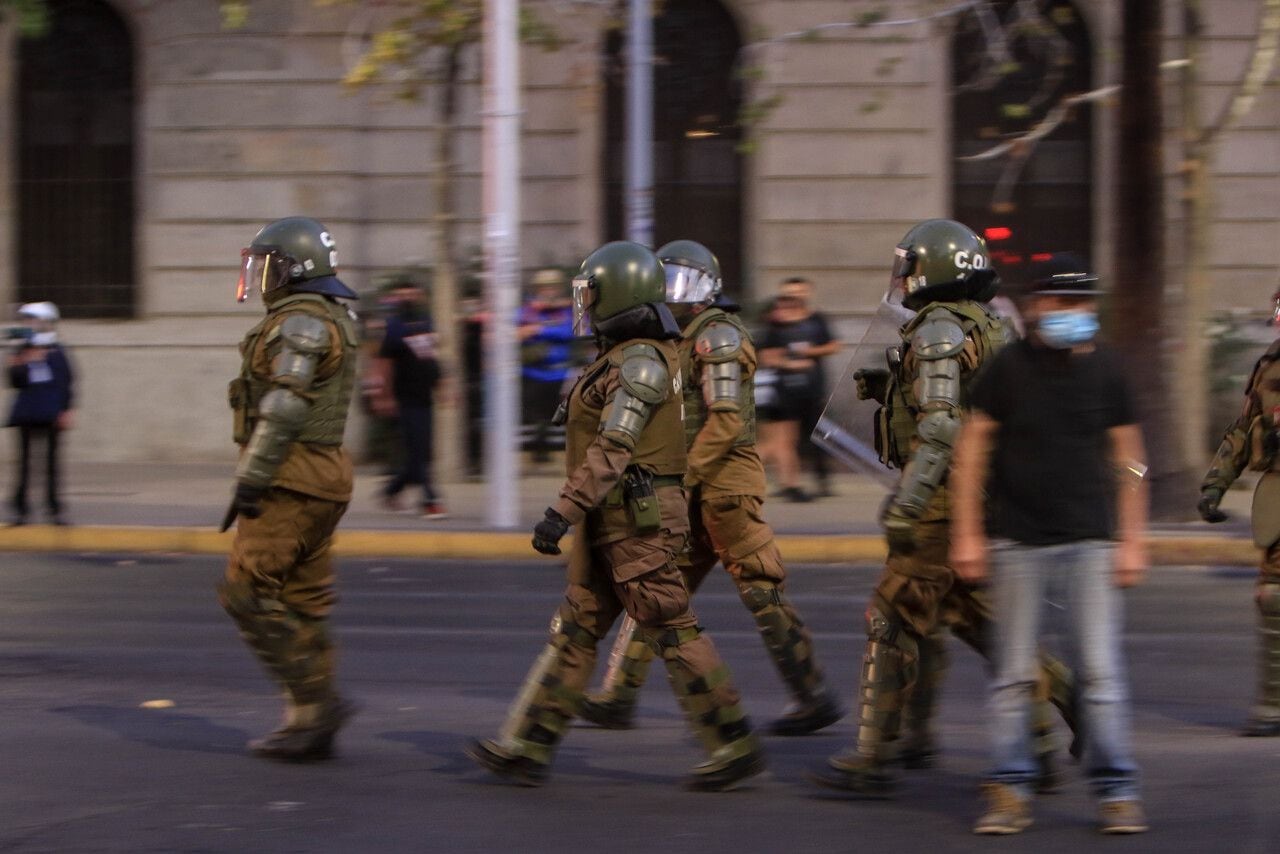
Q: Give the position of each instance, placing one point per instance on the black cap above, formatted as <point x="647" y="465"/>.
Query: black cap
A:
<point x="1065" y="274"/>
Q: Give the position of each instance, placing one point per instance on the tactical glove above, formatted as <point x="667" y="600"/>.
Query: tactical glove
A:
<point x="547" y="533"/>
<point x="1208" y="505"/>
<point x="872" y="383"/>
<point x="247" y="501"/>
<point x="899" y="529"/>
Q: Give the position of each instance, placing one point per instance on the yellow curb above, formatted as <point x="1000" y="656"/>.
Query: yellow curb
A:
<point x="1166" y="550"/>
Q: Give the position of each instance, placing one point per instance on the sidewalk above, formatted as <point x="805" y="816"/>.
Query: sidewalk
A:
<point x="118" y="507"/>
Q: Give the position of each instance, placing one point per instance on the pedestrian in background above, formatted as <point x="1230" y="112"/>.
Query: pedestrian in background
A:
<point x="41" y="372"/>
<point x="545" y="329"/>
<point x="1052" y="437"/>
<point x="410" y="363"/>
<point x="794" y="344"/>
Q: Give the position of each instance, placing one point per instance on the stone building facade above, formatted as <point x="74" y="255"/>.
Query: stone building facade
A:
<point x="229" y="129"/>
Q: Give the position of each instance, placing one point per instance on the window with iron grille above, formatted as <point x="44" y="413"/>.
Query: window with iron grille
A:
<point x="75" y="193"/>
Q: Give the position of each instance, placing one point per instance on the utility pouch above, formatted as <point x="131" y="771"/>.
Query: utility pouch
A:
<point x="561" y="414"/>
<point x="238" y="397"/>
<point x="642" y="501"/>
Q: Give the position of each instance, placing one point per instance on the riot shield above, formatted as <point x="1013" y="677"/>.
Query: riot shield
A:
<point x="846" y="428"/>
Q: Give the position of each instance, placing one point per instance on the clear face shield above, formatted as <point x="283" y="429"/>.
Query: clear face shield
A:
<point x="260" y="271"/>
<point x="901" y="282"/>
<point x="688" y="285"/>
<point x="1275" y="309"/>
<point x="584" y="296"/>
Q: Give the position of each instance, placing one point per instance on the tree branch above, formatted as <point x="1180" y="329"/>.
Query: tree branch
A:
<point x="1261" y="64"/>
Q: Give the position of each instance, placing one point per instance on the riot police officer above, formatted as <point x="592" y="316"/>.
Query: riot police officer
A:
<point x="293" y="481"/>
<point x="940" y="271"/>
<point x="1253" y="442"/>
<point x="625" y="459"/>
<point x="726" y="485"/>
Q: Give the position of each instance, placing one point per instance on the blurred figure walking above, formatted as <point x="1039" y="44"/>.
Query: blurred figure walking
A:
<point x="41" y="372"/>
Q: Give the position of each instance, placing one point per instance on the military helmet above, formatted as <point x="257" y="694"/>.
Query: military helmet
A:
<point x="618" y="276"/>
<point x="939" y="260"/>
<point x="692" y="271"/>
<point x="290" y="255"/>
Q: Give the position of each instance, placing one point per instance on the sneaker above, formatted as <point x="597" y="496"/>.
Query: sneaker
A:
<point x="1122" y="816"/>
<point x="1007" y="811"/>
<point x="435" y="510"/>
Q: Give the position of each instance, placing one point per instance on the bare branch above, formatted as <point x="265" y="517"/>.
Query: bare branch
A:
<point x="1024" y="143"/>
<point x="815" y="32"/>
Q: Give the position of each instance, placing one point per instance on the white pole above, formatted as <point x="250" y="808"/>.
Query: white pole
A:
<point x="501" y="190"/>
<point x="639" y="199"/>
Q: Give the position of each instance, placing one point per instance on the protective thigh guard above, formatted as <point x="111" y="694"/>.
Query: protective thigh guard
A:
<point x="551" y="693"/>
<point x="294" y="648"/>
<point x="889" y="671"/>
<point x="785" y="637"/>
<point x="1268" y="651"/>
<point x="705" y="690"/>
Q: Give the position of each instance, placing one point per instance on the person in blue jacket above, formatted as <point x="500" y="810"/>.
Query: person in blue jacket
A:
<point x="41" y="372"/>
<point x="545" y="326"/>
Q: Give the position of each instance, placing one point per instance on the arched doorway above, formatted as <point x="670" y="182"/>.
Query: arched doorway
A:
<point x="75" y="176"/>
<point x="697" y="191"/>
<point x="1034" y="209"/>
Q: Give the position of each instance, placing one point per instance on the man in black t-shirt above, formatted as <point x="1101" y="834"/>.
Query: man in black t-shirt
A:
<point x="1051" y="434"/>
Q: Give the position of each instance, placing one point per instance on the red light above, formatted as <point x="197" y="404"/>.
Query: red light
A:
<point x="1006" y="258"/>
<point x="1041" y="256"/>
<point x="998" y="233"/>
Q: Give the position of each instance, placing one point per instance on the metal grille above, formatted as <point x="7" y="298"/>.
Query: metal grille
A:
<point x="75" y="163"/>
<point x="697" y="170"/>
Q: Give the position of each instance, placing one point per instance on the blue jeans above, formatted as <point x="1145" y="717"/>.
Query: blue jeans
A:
<point x="1078" y="576"/>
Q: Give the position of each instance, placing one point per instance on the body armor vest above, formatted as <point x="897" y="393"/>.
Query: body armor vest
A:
<point x="661" y="449"/>
<point x="896" y="420"/>
<point x="695" y="405"/>
<point x="1263" y="430"/>
<point x="330" y="398"/>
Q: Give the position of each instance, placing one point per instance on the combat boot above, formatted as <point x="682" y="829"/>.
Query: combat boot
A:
<point x="521" y="770"/>
<point x="614" y="707"/>
<point x="791" y="648"/>
<point x="307" y="738"/>
<point x="810" y="715"/>
<point x="727" y="767"/>
<point x="853" y="773"/>
<point x="919" y="750"/>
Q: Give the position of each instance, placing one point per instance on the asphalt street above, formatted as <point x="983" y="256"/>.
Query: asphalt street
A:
<point x="128" y="697"/>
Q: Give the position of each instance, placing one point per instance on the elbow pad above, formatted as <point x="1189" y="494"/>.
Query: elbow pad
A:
<point x="929" y="465"/>
<point x="282" y="414"/>
<point x="722" y="385"/>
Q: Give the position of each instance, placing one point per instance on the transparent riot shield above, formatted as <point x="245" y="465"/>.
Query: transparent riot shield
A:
<point x="846" y="428"/>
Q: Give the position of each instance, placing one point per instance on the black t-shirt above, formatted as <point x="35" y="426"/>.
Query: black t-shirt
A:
<point x="1051" y="478"/>
<point x="410" y="344"/>
<point x="812" y="330"/>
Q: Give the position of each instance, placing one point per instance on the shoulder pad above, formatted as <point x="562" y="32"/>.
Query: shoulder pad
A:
<point x="718" y="342"/>
<point x="938" y="338"/>
<point x="305" y="333"/>
<point x="644" y="374"/>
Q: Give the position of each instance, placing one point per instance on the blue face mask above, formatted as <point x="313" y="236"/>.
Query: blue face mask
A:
<point x="1068" y="328"/>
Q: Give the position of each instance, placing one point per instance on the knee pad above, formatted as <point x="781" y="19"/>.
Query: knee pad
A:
<point x="659" y="639"/>
<point x="758" y="597"/>
<point x="241" y="601"/>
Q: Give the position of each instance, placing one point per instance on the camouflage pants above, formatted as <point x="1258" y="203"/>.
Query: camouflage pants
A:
<point x="279" y="589"/>
<point x="639" y="576"/>
<point x="916" y="598"/>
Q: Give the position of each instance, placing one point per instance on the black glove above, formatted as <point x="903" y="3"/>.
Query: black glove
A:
<point x="872" y="383"/>
<point x="247" y="500"/>
<point x="547" y="533"/>
<point x="1208" y="506"/>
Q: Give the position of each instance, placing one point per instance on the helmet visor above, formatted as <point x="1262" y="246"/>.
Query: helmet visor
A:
<point x="901" y="282"/>
<point x="688" y="284"/>
<point x="584" y="296"/>
<point x="260" y="271"/>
